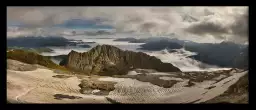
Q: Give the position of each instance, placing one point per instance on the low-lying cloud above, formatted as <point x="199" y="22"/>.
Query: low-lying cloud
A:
<point x="219" y="22"/>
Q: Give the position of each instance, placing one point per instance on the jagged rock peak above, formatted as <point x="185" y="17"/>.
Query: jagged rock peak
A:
<point x="110" y="60"/>
<point x="105" y="47"/>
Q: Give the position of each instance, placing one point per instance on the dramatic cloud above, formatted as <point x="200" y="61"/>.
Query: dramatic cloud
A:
<point x="233" y="26"/>
<point x="207" y="28"/>
<point x="240" y="27"/>
<point x="219" y="22"/>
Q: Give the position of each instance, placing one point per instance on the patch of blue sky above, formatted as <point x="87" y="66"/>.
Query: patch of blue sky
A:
<point x="14" y="23"/>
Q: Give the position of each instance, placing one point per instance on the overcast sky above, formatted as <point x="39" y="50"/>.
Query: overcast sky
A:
<point x="216" y="22"/>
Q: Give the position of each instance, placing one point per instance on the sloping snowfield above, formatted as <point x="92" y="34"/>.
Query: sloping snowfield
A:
<point x="134" y="91"/>
<point x="39" y="86"/>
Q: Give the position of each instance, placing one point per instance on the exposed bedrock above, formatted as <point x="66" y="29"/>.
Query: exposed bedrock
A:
<point x="110" y="60"/>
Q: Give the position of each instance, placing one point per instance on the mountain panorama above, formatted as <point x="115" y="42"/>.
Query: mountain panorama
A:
<point x="100" y="70"/>
<point x="126" y="55"/>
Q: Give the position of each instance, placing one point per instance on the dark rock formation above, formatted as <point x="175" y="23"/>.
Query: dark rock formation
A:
<point x="110" y="60"/>
<point x="62" y="96"/>
<point x="190" y="83"/>
<point x="61" y="76"/>
<point x="112" y="101"/>
<point x="96" y="84"/>
<point x="88" y="85"/>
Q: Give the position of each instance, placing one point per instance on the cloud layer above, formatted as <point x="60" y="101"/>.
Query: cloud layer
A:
<point x="219" y="22"/>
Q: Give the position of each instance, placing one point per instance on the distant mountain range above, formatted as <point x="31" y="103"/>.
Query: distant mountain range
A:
<point x="36" y="42"/>
<point x="224" y="54"/>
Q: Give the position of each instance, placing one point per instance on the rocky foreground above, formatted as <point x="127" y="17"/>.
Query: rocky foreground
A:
<point x="237" y="93"/>
<point x="28" y="83"/>
<point x="107" y="74"/>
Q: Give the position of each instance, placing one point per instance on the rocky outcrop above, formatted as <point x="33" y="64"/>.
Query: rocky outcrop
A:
<point x="110" y="60"/>
<point x="88" y="85"/>
<point x="36" y="50"/>
<point x="32" y="58"/>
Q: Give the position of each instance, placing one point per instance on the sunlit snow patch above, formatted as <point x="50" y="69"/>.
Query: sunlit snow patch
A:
<point x="170" y="78"/>
<point x="133" y="73"/>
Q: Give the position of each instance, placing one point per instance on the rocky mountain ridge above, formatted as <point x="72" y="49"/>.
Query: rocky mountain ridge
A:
<point x="110" y="60"/>
<point x="32" y="58"/>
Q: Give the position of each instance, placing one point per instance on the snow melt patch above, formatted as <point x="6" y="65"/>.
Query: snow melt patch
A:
<point x="159" y="73"/>
<point x="112" y="79"/>
<point x="170" y="78"/>
<point x="95" y="91"/>
<point x="133" y="73"/>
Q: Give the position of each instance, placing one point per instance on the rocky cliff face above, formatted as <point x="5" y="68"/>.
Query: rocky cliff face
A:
<point x="110" y="60"/>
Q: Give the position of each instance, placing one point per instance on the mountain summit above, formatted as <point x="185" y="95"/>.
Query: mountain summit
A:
<point x="110" y="60"/>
